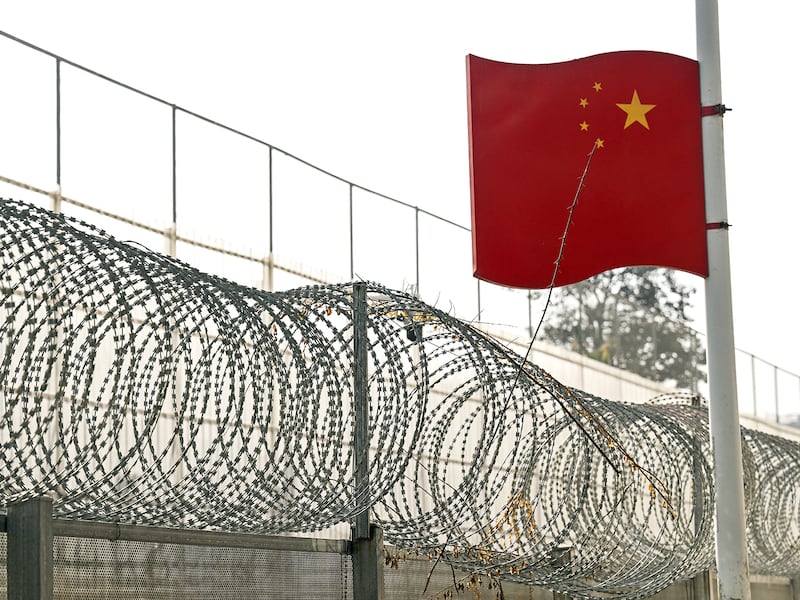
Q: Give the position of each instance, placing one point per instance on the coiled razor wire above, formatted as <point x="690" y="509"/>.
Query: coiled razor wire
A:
<point x="137" y="389"/>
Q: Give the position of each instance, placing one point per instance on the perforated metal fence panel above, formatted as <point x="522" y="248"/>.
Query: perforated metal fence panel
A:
<point x="96" y="568"/>
<point x="3" y="573"/>
<point x="89" y="569"/>
<point x="771" y="591"/>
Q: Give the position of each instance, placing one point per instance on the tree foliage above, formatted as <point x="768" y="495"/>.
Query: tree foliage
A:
<point x="633" y="318"/>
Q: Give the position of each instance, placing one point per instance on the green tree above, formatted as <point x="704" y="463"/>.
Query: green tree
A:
<point x="633" y="318"/>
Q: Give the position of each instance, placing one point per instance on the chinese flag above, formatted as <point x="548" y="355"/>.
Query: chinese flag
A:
<point x="532" y="129"/>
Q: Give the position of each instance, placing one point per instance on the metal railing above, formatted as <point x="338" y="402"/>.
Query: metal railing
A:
<point x="233" y="204"/>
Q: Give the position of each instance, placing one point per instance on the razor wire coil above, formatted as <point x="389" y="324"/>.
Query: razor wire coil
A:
<point x="134" y="388"/>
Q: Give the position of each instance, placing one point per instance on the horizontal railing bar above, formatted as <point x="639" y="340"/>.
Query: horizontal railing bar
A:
<point x="188" y="537"/>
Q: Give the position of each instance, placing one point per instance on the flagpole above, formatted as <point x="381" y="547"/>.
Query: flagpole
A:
<point x="731" y="541"/>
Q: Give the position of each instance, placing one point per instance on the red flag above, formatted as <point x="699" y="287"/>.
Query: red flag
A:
<point x="532" y="129"/>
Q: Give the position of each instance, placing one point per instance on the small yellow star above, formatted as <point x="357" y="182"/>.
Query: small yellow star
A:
<point x="584" y="126"/>
<point x="584" y="103"/>
<point x="597" y="86"/>
<point x="636" y="111"/>
<point x="599" y="143"/>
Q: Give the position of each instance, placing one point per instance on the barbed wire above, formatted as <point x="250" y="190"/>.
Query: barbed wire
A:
<point x="136" y="389"/>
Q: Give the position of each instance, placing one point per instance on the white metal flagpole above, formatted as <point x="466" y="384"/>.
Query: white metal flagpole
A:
<point x="731" y="541"/>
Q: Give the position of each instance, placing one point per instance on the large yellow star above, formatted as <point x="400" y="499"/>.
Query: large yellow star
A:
<point x="636" y="111"/>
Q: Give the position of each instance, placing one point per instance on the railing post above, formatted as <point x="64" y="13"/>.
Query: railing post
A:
<point x="777" y="399"/>
<point x="56" y="196"/>
<point x="416" y="248"/>
<point x="753" y="381"/>
<point x="58" y="129"/>
<point x="171" y="240"/>
<point x="478" y="288"/>
<point x="30" y="549"/>
<point x="352" y="236"/>
<point x="268" y="273"/>
<point x="530" y="314"/>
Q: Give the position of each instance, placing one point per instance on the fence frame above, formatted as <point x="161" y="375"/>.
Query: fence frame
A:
<point x="31" y="529"/>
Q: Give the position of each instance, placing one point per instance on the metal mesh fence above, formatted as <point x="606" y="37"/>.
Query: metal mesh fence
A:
<point x="95" y="569"/>
<point x="3" y="573"/>
<point x="87" y="569"/>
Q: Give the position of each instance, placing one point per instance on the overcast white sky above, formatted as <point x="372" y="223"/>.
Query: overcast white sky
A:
<point x="375" y="92"/>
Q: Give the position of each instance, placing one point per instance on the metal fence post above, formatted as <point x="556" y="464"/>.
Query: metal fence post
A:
<point x="30" y="549"/>
<point x="699" y="586"/>
<point x="368" y="566"/>
<point x="367" y="540"/>
<point x="360" y="407"/>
